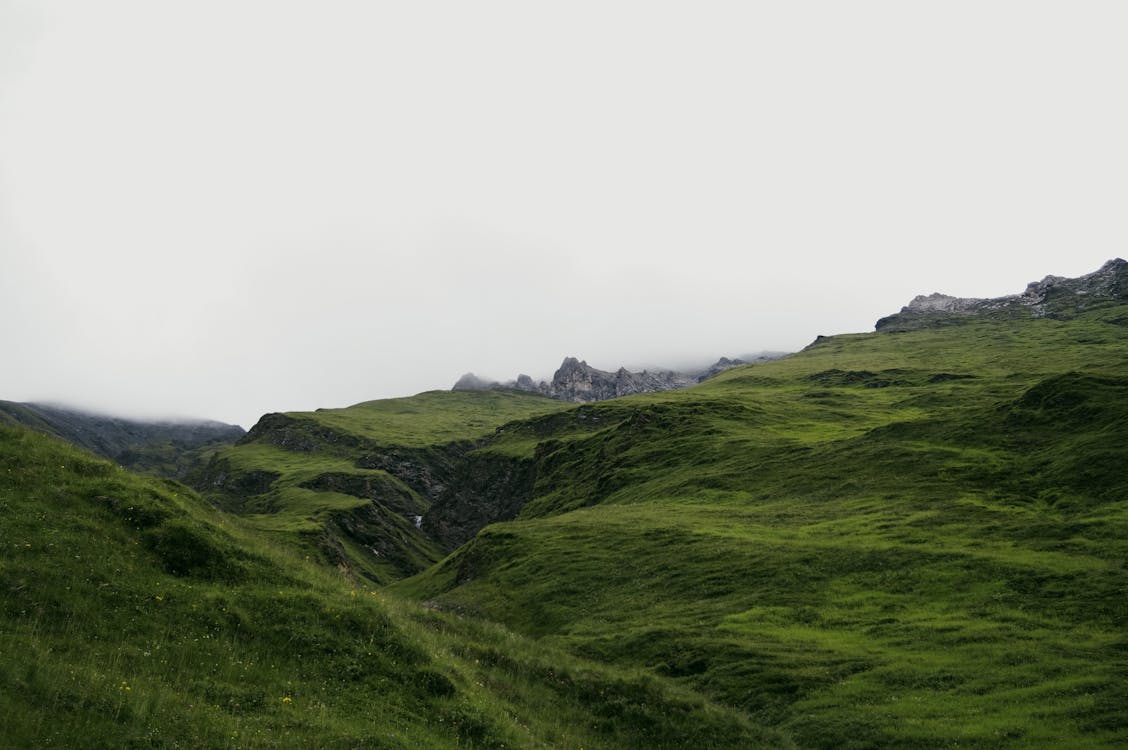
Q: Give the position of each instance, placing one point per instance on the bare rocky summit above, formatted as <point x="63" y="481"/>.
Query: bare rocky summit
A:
<point x="579" y="382"/>
<point x="1052" y="297"/>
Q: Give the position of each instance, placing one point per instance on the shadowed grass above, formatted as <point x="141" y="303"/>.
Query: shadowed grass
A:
<point x="301" y="476"/>
<point x="135" y="615"/>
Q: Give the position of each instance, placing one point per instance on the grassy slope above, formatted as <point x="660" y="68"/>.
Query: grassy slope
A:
<point x="434" y="417"/>
<point x="850" y="544"/>
<point x="167" y="449"/>
<point x="287" y="506"/>
<point x="135" y="615"/>
<point x="859" y="546"/>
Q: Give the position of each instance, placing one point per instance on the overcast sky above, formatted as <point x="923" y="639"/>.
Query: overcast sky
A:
<point x="226" y="208"/>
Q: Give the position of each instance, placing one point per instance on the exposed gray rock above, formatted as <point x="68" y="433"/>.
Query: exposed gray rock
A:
<point x="937" y="302"/>
<point x="722" y="364"/>
<point x="471" y="382"/>
<point x="579" y="382"/>
<point x="1053" y="296"/>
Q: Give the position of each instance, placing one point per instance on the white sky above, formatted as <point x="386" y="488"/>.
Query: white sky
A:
<point x="225" y="208"/>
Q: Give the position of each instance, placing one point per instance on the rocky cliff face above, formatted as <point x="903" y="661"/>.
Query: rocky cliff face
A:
<point x="421" y="501"/>
<point x="1052" y="297"/>
<point x="580" y="383"/>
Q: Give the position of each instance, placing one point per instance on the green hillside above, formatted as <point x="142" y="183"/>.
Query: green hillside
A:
<point x="346" y="486"/>
<point x="915" y="538"/>
<point x="911" y="539"/>
<point x="135" y="615"/>
<point x="170" y="448"/>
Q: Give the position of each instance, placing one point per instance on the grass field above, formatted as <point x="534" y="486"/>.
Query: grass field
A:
<point x="913" y="539"/>
<point x="909" y="539"/>
<point x="135" y="615"/>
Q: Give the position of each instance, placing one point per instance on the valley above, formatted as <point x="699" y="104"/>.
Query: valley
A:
<point x="914" y="538"/>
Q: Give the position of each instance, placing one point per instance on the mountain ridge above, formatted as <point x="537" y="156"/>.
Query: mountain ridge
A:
<point x="169" y="447"/>
<point x="417" y="496"/>
<point x="578" y="382"/>
<point x="908" y="541"/>
<point x="1053" y="297"/>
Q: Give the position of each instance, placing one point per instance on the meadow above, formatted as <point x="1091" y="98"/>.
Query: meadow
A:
<point x="136" y="615"/>
<point x="912" y="538"/>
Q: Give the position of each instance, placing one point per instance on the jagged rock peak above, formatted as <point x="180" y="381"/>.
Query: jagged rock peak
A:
<point x="1109" y="280"/>
<point x="724" y="363"/>
<point x="1053" y="296"/>
<point x="577" y="381"/>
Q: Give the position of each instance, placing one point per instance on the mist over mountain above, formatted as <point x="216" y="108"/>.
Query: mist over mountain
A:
<point x="578" y="382"/>
<point x="307" y="219"/>
<point x="162" y="446"/>
<point x="1055" y="297"/>
<point x="907" y="538"/>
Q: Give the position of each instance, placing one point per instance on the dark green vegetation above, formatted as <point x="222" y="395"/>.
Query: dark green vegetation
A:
<point x="347" y="486"/>
<point x="916" y="538"/>
<point x="134" y="615"/>
<point x="166" y="448"/>
<point x="909" y="539"/>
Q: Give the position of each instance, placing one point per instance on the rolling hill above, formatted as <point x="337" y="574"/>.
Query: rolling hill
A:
<point x="135" y="615"/>
<point x="168" y="448"/>
<point x="913" y="538"/>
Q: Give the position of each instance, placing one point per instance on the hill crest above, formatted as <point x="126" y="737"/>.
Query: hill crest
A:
<point x="1053" y="296"/>
<point x="578" y="382"/>
<point x="160" y="446"/>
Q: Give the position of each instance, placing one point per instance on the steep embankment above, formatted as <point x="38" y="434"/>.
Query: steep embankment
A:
<point x="135" y="615"/>
<point x="356" y="486"/>
<point x="912" y="538"/>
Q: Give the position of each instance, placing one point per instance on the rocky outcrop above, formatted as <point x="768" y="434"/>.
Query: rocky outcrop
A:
<point x="1052" y="297"/>
<point x="485" y="488"/>
<point x="471" y="382"/>
<point x="463" y="487"/>
<point x="580" y="383"/>
<point x="379" y="538"/>
<point x="724" y="363"/>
